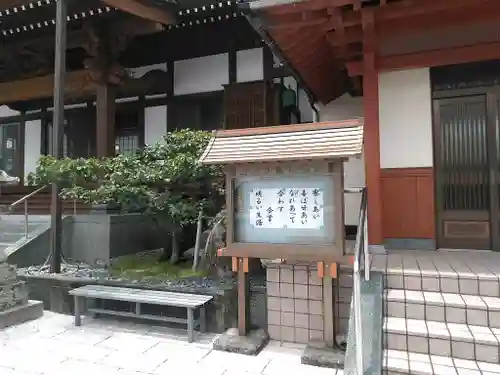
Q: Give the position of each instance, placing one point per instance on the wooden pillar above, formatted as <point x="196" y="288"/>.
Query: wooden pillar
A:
<point x="371" y="128"/>
<point x="243" y="297"/>
<point x="105" y="137"/>
<point x="57" y="133"/>
<point x="328" y="306"/>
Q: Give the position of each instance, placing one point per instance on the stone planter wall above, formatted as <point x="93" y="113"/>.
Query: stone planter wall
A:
<point x="54" y="292"/>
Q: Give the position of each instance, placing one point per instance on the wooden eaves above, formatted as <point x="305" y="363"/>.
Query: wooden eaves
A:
<point x="313" y="141"/>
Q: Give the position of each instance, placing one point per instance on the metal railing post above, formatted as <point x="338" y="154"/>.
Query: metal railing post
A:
<point x="74" y="207"/>
<point x="361" y="246"/>
<point x="24" y="200"/>
<point x="365" y="245"/>
<point x="26" y="219"/>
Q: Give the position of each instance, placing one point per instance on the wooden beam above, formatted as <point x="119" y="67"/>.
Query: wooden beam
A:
<point x="78" y="83"/>
<point x="474" y="14"/>
<point x="347" y="36"/>
<point x="299" y="24"/>
<point x="456" y="55"/>
<point x="141" y="9"/>
<point x="394" y="11"/>
<point x="310" y="5"/>
<point x="7" y="4"/>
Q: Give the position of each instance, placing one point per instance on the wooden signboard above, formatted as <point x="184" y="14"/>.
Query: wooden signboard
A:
<point x="290" y="210"/>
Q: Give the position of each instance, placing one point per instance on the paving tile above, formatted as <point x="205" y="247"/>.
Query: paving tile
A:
<point x="129" y="342"/>
<point x="420" y="368"/>
<point x="128" y="372"/>
<point x="89" y="336"/>
<point x="490" y="367"/>
<point x="235" y="361"/>
<point x="76" y="367"/>
<point x="396" y="324"/>
<point x="398" y="364"/>
<point x="396" y="354"/>
<point x="141" y="362"/>
<point x="175" y="352"/>
<point x="433" y="298"/>
<point x="464" y="371"/>
<point x="444" y="370"/>
<point x="492" y="303"/>
<point x="278" y="367"/>
<point x="173" y="368"/>
<point x="440" y="360"/>
<point x="462" y="363"/>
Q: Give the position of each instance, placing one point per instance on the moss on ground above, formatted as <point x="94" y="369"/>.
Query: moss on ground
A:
<point x="139" y="267"/>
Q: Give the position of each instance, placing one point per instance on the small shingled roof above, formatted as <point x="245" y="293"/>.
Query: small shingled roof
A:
<point x="323" y="140"/>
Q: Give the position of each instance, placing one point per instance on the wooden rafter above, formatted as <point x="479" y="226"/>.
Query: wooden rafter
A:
<point x="310" y="5"/>
<point x="144" y="9"/>
<point x="7" y="4"/>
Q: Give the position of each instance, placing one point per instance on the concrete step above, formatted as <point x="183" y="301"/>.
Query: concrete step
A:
<point x="445" y="281"/>
<point x="461" y="341"/>
<point x="12" y="228"/>
<point x="443" y="307"/>
<point x="402" y="363"/>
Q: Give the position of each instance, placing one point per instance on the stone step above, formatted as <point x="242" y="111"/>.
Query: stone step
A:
<point x="462" y="341"/>
<point x="462" y="282"/>
<point x="443" y="307"/>
<point x="402" y="363"/>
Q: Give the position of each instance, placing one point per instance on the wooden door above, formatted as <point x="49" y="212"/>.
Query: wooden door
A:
<point x="466" y="167"/>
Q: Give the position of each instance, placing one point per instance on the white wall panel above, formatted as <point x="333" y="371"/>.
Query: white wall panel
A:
<point x="202" y="74"/>
<point x="32" y="145"/>
<point x="155" y="124"/>
<point x="250" y="65"/>
<point x="405" y="119"/>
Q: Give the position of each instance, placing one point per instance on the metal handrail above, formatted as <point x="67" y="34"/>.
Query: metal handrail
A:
<point x="25" y="201"/>
<point x="361" y="246"/>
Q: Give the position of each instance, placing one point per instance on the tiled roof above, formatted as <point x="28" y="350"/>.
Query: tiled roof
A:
<point x="324" y="140"/>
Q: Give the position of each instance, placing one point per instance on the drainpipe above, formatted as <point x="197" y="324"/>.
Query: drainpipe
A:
<point x="315" y="109"/>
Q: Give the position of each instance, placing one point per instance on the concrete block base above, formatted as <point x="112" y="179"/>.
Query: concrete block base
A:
<point x="251" y="344"/>
<point x="321" y="355"/>
<point x="21" y="314"/>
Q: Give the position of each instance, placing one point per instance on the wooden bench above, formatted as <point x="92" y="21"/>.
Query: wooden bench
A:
<point x="191" y="302"/>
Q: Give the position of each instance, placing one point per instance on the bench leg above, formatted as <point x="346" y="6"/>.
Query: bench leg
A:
<point x="190" y="321"/>
<point x="78" y="311"/>
<point x="203" y="319"/>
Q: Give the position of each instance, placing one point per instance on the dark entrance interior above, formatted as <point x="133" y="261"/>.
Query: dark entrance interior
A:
<point x="10" y="157"/>
<point x="467" y="158"/>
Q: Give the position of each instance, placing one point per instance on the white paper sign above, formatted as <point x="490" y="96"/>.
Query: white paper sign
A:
<point x="292" y="208"/>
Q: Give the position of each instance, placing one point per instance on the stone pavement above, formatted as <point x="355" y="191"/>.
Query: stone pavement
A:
<point x="52" y="345"/>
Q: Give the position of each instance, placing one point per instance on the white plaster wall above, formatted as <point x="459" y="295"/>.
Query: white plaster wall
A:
<point x="32" y="145"/>
<point x="155" y="124"/>
<point x="5" y="111"/>
<point x="142" y="70"/>
<point x="306" y="111"/>
<point x="250" y="65"/>
<point x="405" y="119"/>
<point x="202" y="74"/>
<point x="344" y="108"/>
